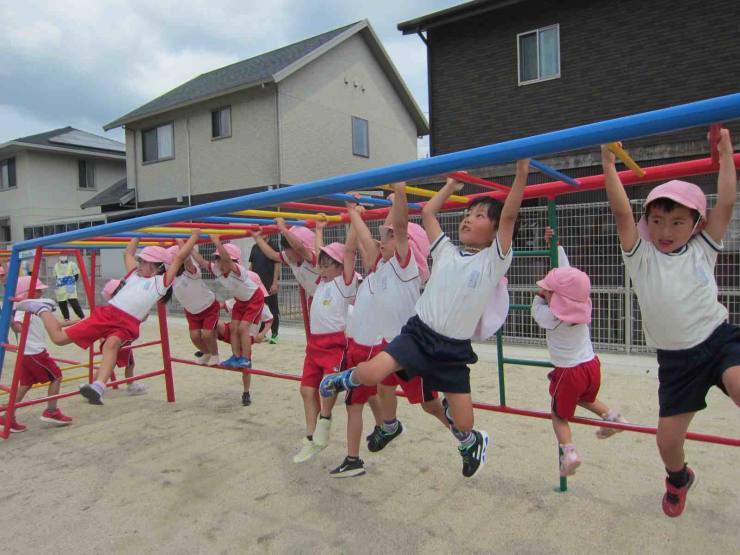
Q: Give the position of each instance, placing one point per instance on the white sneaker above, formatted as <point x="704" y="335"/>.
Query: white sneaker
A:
<point x="213" y="360"/>
<point x="136" y="388"/>
<point x="308" y="450"/>
<point x="570" y="460"/>
<point x="203" y="359"/>
<point x="611" y="416"/>
<point x="321" y="433"/>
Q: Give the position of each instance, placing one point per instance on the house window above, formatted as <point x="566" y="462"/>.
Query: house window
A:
<point x="360" y="140"/>
<point x="538" y="52"/>
<point x="87" y="174"/>
<point x="7" y="174"/>
<point x="5" y="230"/>
<point x="158" y="143"/>
<point x="221" y="123"/>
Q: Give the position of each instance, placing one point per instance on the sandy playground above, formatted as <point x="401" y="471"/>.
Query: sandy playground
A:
<point x="206" y="475"/>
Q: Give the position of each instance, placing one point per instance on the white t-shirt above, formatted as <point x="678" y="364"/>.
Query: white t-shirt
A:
<point x="677" y="292"/>
<point x="192" y="292"/>
<point x="266" y="316"/>
<point x="385" y="301"/>
<point x="306" y="274"/>
<point x="460" y="285"/>
<point x="237" y="284"/>
<point x="330" y="303"/>
<point x="569" y="344"/>
<point x="36" y="340"/>
<point x="139" y="294"/>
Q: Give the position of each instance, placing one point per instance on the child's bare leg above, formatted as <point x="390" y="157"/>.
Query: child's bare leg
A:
<point x="110" y="355"/>
<point x="597" y="407"/>
<point x="236" y="348"/>
<point x="354" y="429"/>
<point x="376" y="369"/>
<point x="54" y="388"/>
<point x="196" y="338"/>
<point x="327" y="404"/>
<point x="245" y="341"/>
<point x="731" y="381"/>
<point x="377" y="409"/>
<point x="562" y="430"/>
<point x="670" y="437"/>
<point x="461" y="410"/>
<point x="310" y="408"/>
<point x="210" y="341"/>
<point x="246" y="380"/>
<point x="388" y="402"/>
<point x="436" y="409"/>
<point x="54" y="329"/>
<point x="129" y="372"/>
<point x="22" y="390"/>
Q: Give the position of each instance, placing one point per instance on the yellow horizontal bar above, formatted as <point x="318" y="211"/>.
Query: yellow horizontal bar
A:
<point x="190" y="230"/>
<point x="426" y="193"/>
<point x="45" y="384"/>
<point x="115" y="243"/>
<point x="291" y="215"/>
<point x="620" y="153"/>
<point x="81" y="365"/>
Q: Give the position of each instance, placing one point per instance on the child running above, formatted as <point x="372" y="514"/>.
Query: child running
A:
<point x="670" y="256"/>
<point x="37" y="365"/>
<point x="563" y="308"/>
<point x="118" y="322"/>
<point x="435" y="344"/>
<point x="257" y="335"/>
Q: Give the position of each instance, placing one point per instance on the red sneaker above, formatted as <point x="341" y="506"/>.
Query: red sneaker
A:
<point x="674" y="500"/>
<point x="55" y="417"/>
<point x="16" y="427"/>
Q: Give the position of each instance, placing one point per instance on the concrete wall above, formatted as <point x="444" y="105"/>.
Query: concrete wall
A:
<point x="316" y="108"/>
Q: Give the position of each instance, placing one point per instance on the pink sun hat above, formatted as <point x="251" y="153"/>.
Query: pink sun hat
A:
<point x="110" y="288"/>
<point x="684" y="193"/>
<point x="172" y="253"/>
<point x="335" y="251"/>
<point x="23" y="286"/>
<point x="419" y="243"/>
<point x="258" y="280"/>
<point x="571" y="294"/>
<point x="233" y="251"/>
<point x="154" y="254"/>
<point x="305" y="236"/>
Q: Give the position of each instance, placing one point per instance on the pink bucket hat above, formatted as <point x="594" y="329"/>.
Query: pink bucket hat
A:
<point x="255" y="278"/>
<point x="234" y="252"/>
<point x="305" y="236"/>
<point x="571" y="290"/>
<point x="24" y="284"/>
<point x="172" y="253"/>
<point x="110" y="288"/>
<point x="419" y="243"/>
<point x="684" y="193"/>
<point x="154" y="254"/>
<point x="335" y="251"/>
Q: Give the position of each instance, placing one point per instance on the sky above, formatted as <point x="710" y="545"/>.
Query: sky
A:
<point x="86" y="62"/>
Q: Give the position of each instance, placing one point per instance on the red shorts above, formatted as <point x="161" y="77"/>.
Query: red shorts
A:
<point x="569" y="386"/>
<point x="104" y="322"/>
<point x="39" y="368"/>
<point x="125" y="356"/>
<point x="324" y="355"/>
<point x="414" y="388"/>
<point x="357" y="353"/>
<point x="250" y="310"/>
<point x="205" y="320"/>
<point x="226" y="337"/>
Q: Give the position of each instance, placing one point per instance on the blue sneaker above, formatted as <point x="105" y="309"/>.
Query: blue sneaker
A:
<point x="231" y="362"/>
<point x="243" y="362"/>
<point x="334" y="383"/>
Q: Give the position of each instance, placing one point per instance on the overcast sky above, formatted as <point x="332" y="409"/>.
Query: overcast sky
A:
<point x="85" y="62"/>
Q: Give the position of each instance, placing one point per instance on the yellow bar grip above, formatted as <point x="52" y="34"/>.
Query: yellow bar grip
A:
<point x="626" y="159"/>
<point x="291" y="215"/>
<point x="427" y="193"/>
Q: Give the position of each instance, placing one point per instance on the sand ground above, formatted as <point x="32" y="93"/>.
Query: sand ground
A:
<point x="206" y="475"/>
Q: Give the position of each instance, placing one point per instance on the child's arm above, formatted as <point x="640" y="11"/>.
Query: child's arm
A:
<point x="265" y="247"/>
<point x="510" y="211"/>
<point x="619" y="202"/>
<point x="202" y="262"/>
<point x="16" y="326"/>
<point x="295" y="244"/>
<point x="129" y="255"/>
<point x="223" y="253"/>
<point x="261" y="335"/>
<point x="182" y="256"/>
<point x="349" y="255"/>
<point x="368" y="248"/>
<point x="541" y="312"/>
<point x="429" y="212"/>
<point x="318" y="236"/>
<point x="719" y="217"/>
<point x="400" y="219"/>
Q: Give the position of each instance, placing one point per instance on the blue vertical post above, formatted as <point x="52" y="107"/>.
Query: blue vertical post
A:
<point x="11" y="281"/>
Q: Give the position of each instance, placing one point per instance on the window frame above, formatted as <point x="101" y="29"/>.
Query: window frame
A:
<point x="89" y="165"/>
<point x="143" y="143"/>
<point x="537" y="32"/>
<point x="6" y="222"/>
<point x="218" y="111"/>
<point x="367" y="137"/>
<point x="12" y="176"/>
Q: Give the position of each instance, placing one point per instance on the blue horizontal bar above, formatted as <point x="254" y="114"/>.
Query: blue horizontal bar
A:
<point x="236" y="220"/>
<point x="552" y="172"/>
<point x="369" y="200"/>
<point x="703" y="112"/>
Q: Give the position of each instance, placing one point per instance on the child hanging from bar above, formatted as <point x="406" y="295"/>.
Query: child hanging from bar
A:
<point x="670" y="256"/>
<point x="125" y="357"/>
<point x="249" y="299"/>
<point x="563" y="308"/>
<point x="326" y="342"/>
<point x="117" y="323"/>
<point x="201" y="307"/>
<point x="435" y="343"/>
<point x="37" y="366"/>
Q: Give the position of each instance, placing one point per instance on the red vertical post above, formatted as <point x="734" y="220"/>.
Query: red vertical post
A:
<point x="90" y="293"/>
<point x="10" y="409"/>
<point x="166" y="356"/>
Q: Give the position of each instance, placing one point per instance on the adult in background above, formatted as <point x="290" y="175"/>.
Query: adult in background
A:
<point x="269" y="272"/>
<point x="66" y="274"/>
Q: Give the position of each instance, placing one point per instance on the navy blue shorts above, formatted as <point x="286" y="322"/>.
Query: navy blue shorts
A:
<point x="686" y="375"/>
<point x="441" y="362"/>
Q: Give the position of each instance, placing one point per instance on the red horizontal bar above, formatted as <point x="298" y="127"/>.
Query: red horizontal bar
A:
<point x="14" y="349"/>
<point x="137" y="346"/>
<point x="254" y="371"/>
<point x="467" y="178"/>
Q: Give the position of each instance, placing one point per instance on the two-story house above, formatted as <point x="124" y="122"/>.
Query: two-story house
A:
<point x="327" y="105"/>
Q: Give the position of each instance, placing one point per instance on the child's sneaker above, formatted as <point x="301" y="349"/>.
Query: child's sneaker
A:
<point x="202" y="358"/>
<point x="243" y="362"/>
<point x="611" y="416"/>
<point x="36" y="306"/>
<point x="246" y="399"/>
<point x="380" y="438"/>
<point x="375" y="431"/>
<point x="349" y="468"/>
<point x="55" y="417"/>
<point x="674" y="500"/>
<point x="570" y="460"/>
<point x="273" y="340"/>
<point x="336" y="382"/>
<point x="230" y="362"/>
<point x="308" y="450"/>
<point x="213" y="360"/>
<point x="93" y="396"/>
<point x="474" y="456"/>
<point x="321" y="434"/>
<point x="16" y="427"/>
<point x="135" y="388"/>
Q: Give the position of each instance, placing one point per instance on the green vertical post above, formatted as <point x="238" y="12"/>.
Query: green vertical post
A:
<point x="500" y="360"/>
<point x="563" y="479"/>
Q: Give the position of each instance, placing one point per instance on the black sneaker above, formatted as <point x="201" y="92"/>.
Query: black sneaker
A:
<point x="379" y="439"/>
<point x="198" y="354"/>
<point x="375" y="430"/>
<point x="474" y="456"/>
<point x="246" y="399"/>
<point x="348" y="468"/>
